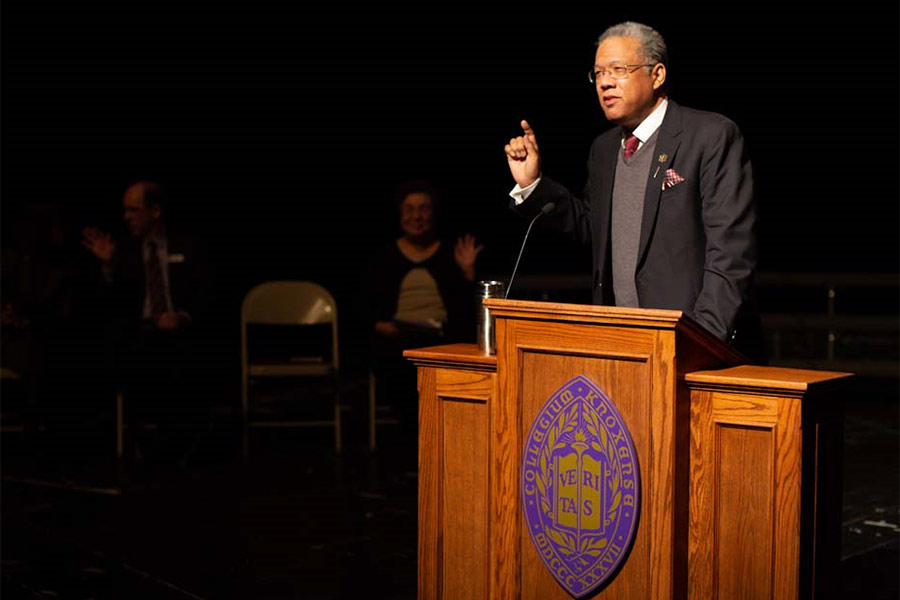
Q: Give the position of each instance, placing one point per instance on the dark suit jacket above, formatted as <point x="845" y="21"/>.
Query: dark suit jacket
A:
<point x="697" y="249"/>
<point x="137" y="351"/>
<point x="189" y="278"/>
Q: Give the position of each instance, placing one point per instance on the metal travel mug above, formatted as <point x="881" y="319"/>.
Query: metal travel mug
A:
<point x="486" y="337"/>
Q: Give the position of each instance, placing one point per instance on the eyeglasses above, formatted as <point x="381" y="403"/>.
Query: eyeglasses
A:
<point x="614" y="71"/>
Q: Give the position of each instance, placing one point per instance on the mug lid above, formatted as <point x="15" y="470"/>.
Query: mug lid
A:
<point x="490" y="288"/>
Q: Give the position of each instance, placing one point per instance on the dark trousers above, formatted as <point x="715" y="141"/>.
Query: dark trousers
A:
<point x="164" y="405"/>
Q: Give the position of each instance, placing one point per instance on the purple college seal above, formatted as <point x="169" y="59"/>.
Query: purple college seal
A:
<point x="580" y="486"/>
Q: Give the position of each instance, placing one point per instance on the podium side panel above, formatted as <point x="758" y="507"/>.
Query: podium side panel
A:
<point x="701" y="562"/>
<point x="505" y="451"/>
<point x="744" y="496"/>
<point x="820" y="537"/>
<point x="788" y="470"/>
<point x="464" y="398"/>
<point x="429" y="538"/>
<point x="744" y="512"/>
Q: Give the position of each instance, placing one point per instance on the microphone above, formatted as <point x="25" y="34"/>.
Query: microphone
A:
<point x="547" y="208"/>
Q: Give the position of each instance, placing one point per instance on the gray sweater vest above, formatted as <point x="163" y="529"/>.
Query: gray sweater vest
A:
<point x="627" y="210"/>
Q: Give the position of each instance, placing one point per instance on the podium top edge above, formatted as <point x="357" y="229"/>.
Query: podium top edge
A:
<point x="766" y="377"/>
<point x="463" y="355"/>
<point x="645" y="318"/>
<point x="502" y="307"/>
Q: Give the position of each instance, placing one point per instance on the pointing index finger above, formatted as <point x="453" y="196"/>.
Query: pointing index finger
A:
<point x="530" y="139"/>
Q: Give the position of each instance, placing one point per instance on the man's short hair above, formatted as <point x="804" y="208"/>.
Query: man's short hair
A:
<point x="653" y="46"/>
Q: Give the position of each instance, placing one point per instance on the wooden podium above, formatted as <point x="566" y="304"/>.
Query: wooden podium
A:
<point x="736" y="460"/>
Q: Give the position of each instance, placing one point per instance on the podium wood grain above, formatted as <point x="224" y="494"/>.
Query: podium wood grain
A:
<point x="453" y="472"/>
<point x="736" y="464"/>
<point x="764" y="502"/>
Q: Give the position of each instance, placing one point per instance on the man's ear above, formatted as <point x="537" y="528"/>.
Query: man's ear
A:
<point x="659" y="75"/>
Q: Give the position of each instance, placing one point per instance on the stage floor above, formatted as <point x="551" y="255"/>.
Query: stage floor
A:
<point x="297" y="521"/>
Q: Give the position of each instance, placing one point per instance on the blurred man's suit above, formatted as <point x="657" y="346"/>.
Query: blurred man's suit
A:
<point x="159" y="371"/>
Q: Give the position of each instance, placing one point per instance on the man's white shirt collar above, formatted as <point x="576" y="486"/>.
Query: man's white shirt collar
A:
<point x="649" y="125"/>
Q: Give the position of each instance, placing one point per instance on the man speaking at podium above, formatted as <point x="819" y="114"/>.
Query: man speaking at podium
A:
<point x="668" y="206"/>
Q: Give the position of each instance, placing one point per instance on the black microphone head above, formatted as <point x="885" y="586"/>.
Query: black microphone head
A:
<point x="548" y="208"/>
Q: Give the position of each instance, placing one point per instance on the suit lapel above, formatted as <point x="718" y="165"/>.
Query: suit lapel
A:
<point x="666" y="145"/>
<point x="609" y="154"/>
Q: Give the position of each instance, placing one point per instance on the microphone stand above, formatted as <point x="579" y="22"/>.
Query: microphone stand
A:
<point x="544" y="210"/>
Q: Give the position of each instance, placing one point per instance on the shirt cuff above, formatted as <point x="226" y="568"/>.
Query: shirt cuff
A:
<point x="520" y="194"/>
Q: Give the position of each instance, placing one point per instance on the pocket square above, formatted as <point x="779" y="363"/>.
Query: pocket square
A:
<point x="671" y="179"/>
<point x="176" y="258"/>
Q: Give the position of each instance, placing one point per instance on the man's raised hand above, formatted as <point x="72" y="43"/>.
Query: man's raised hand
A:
<point x="99" y="243"/>
<point x="523" y="157"/>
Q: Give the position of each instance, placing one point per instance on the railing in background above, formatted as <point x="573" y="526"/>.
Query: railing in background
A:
<point x="833" y="321"/>
<point x="829" y="321"/>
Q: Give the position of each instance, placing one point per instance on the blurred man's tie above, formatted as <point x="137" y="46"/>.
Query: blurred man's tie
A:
<point x="155" y="285"/>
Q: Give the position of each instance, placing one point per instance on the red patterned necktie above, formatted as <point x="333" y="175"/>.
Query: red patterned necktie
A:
<point x="631" y="145"/>
<point x="155" y="285"/>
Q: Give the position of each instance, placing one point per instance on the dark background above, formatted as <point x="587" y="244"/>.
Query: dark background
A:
<point x="280" y="129"/>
